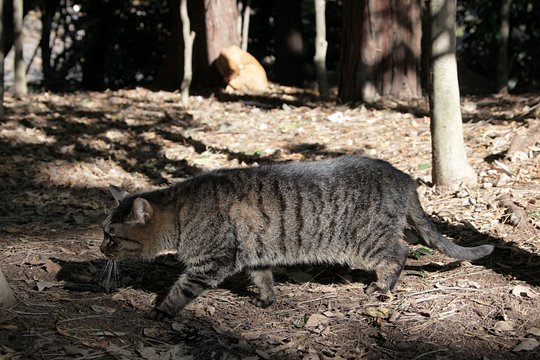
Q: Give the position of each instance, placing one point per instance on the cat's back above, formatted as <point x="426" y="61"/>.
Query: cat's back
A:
<point x="345" y="170"/>
<point x="355" y="173"/>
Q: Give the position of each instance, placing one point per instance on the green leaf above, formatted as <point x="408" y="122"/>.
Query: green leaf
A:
<point x="534" y="215"/>
<point x="424" y="166"/>
<point x="300" y="323"/>
<point x="285" y="312"/>
<point x="419" y="252"/>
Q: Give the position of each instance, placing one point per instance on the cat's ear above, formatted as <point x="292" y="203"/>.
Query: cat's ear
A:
<point x="141" y="211"/>
<point x="118" y="193"/>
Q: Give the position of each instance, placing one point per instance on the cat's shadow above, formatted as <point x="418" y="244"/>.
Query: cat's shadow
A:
<point x="159" y="275"/>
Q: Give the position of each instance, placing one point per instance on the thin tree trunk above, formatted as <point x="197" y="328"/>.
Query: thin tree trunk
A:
<point x="502" y="61"/>
<point x="245" y="24"/>
<point x="7" y="299"/>
<point x="2" y="44"/>
<point x="321" y="45"/>
<point x="450" y="167"/>
<point x="289" y="49"/>
<point x="21" y="88"/>
<point x="189" y="37"/>
<point x="169" y="76"/>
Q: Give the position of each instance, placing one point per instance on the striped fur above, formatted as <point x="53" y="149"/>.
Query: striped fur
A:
<point x="350" y="210"/>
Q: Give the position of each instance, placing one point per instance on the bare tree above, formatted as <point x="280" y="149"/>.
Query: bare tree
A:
<point x="7" y="299"/>
<point x="504" y="33"/>
<point x="321" y="45"/>
<point x="188" y="36"/>
<point x="21" y="88"/>
<point x="450" y="167"/>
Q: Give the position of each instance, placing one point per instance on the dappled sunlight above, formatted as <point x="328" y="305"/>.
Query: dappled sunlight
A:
<point x="25" y="135"/>
<point x="96" y="174"/>
<point x="57" y="174"/>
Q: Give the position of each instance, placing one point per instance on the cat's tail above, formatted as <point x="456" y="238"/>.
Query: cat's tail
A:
<point x="434" y="239"/>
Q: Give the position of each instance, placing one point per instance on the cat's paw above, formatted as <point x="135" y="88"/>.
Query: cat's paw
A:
<point x="159" y="315"/>
<point x="263" y="303"/>
<point x="375" y="289"/>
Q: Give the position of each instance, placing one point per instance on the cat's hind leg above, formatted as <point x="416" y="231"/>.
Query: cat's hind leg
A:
<point x="263" y="280"/>
<point x="388" y="268"/>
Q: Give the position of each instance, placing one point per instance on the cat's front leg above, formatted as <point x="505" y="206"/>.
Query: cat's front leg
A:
<point x="189" y="286"/>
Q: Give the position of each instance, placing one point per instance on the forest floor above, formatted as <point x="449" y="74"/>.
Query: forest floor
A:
<point x="59" y="153"/>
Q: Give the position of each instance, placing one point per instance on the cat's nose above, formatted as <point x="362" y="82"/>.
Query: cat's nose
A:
<point x="104" y="245"/>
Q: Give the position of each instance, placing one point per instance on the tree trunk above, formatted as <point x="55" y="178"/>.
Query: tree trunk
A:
<point x="321" y="45"/>
<point x="170" y="74"/>
<point x="289" y="64"/>
<point x="245" y="24"/>
<point x="21" y="88"/>
<point x="7" y="299"/>
<point x="502" y="61"/>
<point x="2" y="55"/>
<point x="381" y="49"/>
<point x="93" y="66"/>
<point x="48" y="9"/>
<point x="188" y="37"/>
<point x="450" y="167"/>
<point x="215" y="23"/>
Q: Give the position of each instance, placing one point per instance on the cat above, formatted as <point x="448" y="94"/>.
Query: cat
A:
<point x="241" y="70"/>
<point x="350" y="210"/>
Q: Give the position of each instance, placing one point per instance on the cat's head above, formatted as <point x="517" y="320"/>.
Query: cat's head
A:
<point x="133" y="229"/>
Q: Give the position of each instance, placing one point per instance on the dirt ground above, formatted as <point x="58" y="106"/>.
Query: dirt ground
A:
<point x="59" y="153"/>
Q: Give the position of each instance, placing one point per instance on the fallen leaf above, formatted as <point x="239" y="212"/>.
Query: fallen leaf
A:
<point x="42" y="285"/>
<point x="527" y="345"/>
<point x="380" y="312"/>
<point x="502" y="326"/>
<point x="534" y="331"/>
<point x="316" y="320"/>
<point x="52" y="267"/>
<point x="300" y="323"/>
<point x="148" y="353"/>
<point x="524" y="291"/>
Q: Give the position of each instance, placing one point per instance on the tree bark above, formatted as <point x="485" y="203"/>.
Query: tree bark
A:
<point x="215" y="23"/>
<point x="288" y="67"/>
<point x="7" y="299"/>
<point x="188" y="37"/>
<point x="21" y="88"/>
<point x="321" y="45"/>
<point x="380" y="54"/>
<point x="502" y="61"/>
<point x="2" y="56"/>
<point x="450" y="167"/>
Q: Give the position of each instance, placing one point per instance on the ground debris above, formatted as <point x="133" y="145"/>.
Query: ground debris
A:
<point x="62" y="152"/>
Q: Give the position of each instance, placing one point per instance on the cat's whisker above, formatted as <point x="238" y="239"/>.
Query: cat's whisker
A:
<point x="109" y="277"/>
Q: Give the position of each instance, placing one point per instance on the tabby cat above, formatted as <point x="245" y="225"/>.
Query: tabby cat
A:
<point x="350" y="210"/>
